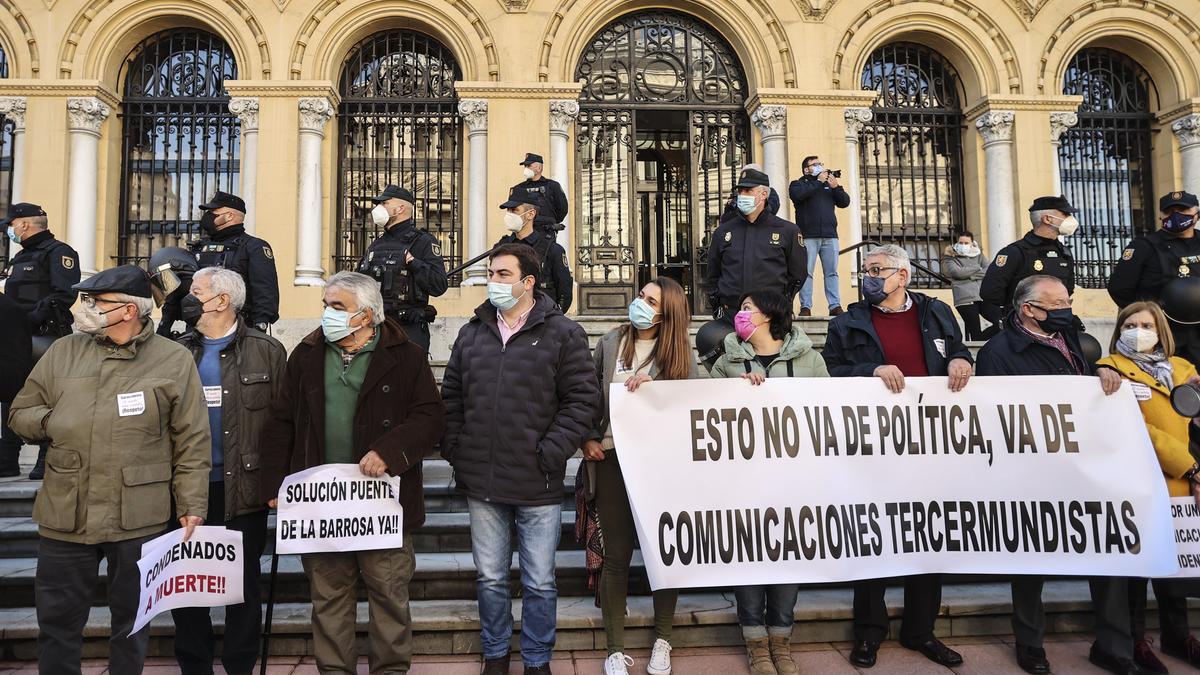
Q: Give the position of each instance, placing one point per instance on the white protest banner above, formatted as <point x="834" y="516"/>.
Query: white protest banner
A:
<point x="334" y="507"/>
<point x="204" y="571"/>
<point x="1187" y="535"/>
<point x="825" y="479"/>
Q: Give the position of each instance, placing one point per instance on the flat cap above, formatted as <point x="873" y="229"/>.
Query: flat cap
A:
<point x="530" y="158"/>
<point x="1179" y="198"/>
<point x="1058" y="203"/>
<point x="518" y="197"/>
<point x="21" y="210"/>
<point x="127" y="279"/>
<point x="752" y="178"/>
<point x="394" y="192"/>
<point x="224" y="200"/>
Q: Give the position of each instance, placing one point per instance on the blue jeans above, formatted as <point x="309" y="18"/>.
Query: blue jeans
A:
<point x="538" y="530"/>
<point x="766" y="609"/>
<point x="827" y="251"/>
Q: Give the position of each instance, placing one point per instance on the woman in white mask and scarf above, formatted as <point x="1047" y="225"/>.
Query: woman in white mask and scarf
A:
<point x="1143" y="352"/>
<point x="965" y="264"/>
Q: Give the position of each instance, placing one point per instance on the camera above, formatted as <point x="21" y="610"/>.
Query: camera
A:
<point x="835" y="174"/>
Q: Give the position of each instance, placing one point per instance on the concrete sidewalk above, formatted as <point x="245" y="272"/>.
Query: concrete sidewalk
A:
<point x="982" y="656"/>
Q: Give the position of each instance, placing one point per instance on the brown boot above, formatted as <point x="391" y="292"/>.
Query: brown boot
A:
<point x="781" y="655"/>
<point x="759" y="653"/>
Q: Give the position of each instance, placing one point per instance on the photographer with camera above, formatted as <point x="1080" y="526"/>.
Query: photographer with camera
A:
<point x="815" y="195"/>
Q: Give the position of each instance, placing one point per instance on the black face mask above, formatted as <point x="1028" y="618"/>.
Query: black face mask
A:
<point x="191" y="309"/>
<point x="208" y="223"/>
<point x="1057" y="320"/>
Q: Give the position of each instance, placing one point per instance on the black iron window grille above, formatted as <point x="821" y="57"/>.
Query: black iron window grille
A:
<point x="911" y="155"/>
<point x="1105" y="160"/>
<point x="180" y="143"/>
<point x="398" y="123"/>
<point x="7" y="128"/>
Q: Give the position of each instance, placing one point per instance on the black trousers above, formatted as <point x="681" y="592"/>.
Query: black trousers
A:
<point x="194" y="640"/>
<point x="10" y="443"/>
<point x="970" y="315"/>
<point x="1110" y="603"/>
<point x="418" y="333"/>
<point x="65" y="583"/>
<point x="1172" y="595"/>
<point x="922" y="601"/>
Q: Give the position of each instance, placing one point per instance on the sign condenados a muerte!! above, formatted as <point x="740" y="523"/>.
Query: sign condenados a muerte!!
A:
<point x="815" y="480"/>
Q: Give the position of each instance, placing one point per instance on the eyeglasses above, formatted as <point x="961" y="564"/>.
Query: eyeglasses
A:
<point x="875" y="271"/>
<point x="89" y="301"/>
<point x="1069" y="304"/>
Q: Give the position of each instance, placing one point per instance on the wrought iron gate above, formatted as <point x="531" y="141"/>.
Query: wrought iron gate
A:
<point x="180" y="143"/>
<point x="398" y="123"/>
<point x="7" y="127"/>
<point x="911" y="154"/>
<point x="1105" y="160"/>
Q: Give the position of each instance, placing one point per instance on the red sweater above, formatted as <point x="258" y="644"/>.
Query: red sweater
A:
<point x="902" y="339"/>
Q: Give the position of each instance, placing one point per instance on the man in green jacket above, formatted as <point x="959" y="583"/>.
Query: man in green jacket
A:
<point x="124" y="414"/>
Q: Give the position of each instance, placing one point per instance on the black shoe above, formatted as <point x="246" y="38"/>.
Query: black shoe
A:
<point x="935" y="650"/>
<point x="1187" y="650"/>
<point x="39" y="470"/>
<point x="543" y="669"/>
<point x="496" y="666"/>
<point x="1032" y="660"/>
<point x="863" y="654"/>
<point x="1147" y="660"/>
<point x="1113" y="664"/>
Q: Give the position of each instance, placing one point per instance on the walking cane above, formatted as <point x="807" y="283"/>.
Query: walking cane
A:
<point x="266" y="642"/>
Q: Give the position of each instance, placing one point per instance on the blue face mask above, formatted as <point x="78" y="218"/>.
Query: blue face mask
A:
<point x="641" y="314"/>
<point x="12" y="234"/>
<point x="501" y="296"/>
<point x="746" y="204"/>
<point x="1176" y="222"/>
<point x="335" y="324"/>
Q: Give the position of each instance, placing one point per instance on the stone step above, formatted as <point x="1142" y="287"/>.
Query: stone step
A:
<point x="702" y="618"/>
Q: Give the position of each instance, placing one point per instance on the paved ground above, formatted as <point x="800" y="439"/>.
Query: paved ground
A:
<point x="982" y="656"/>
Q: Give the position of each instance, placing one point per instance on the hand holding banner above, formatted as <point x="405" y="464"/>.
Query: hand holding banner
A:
<point x="334" y="507"/>
<point x="204" y="571"/>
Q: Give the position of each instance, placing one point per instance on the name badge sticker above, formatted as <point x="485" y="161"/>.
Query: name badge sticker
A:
<point x="212" y="396"/>
<point x="1140" y="391"/>
<point x="131" y="404"/>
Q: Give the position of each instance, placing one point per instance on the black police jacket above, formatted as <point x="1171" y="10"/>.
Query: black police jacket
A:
<point x="1012" y="352"/>
<point x="406" y="286"/>
<point x="814" y="203"/>
<point x="1024" y="258"/>
<point x="554" y="200"/>
<point x="17" y="348"/>
<point x="853" y="349"/>
<point x="745" y="256"/>
<point x="251" y="257"/>
<point x="556" y="280"/>
<point x="40" y="278"/>
<point x="1149" y="263"/>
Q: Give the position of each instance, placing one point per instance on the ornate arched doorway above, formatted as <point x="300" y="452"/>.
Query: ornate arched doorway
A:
<point x="662" y="134"/>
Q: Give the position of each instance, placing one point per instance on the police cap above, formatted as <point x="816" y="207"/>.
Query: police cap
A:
<point x="1058" y="203"/>
<point x="531" y="158"/>
<point x="394" y="192"/>
<point x="752" y="178"/>
<point x="518" y="197"/>
<point x="224" y="200"/>
<point x="1185" y="199"/>
<point x="127" y="279"/>
<point x="22" y="210"/>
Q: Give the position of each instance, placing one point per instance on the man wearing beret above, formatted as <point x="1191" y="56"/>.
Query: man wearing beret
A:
<point x="548" y="190"/>
<point x="521" y="214"/>
<point x="124" y="411"/>
<point x="227" y="244"/>
<point x="1040" y="251"/>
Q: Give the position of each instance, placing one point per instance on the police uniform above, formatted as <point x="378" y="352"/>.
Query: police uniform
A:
<point x="1029" y="255"/>
<point x="555" y="279"/>
<point x="553" y="199"/>
<point x="41" y="275"/>
<point x="406" y="286"/>
<point x="249" y="256"/>
<point x="744" y="256"/>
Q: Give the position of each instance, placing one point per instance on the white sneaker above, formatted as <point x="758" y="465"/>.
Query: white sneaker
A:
<point x="660" y="658"/>
<point x="617" y="664"/>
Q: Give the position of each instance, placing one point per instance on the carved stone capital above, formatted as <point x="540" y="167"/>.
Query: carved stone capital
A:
<point x="13" y="108"/>
<point x="1187" y="129"/>
<point x="86" y="113"/>
<point x="315" y="113"/>
<point x="771" y="120"/>
<point x="996" y="125"/>
<point x="856" y="119"/>
<point x="1059" y="123"/>
<point x="246" y="109"/>
<point x="562" y="114"/>
<point x="474" y="112"/>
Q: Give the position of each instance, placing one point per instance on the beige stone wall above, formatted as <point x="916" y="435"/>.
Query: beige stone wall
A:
<point x="519" y="54"/>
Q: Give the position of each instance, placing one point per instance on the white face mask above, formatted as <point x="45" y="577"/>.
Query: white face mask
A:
<point x="513" y="222"/>
<point x="966" y="250"/>
<point x="528" y="172"/>
<point x="380" y="215"/>
<point x="1067" y="226"/>
<point x="92" y="320"/>
<point x="1139" y="339"/>
<point x="815" y="169"/>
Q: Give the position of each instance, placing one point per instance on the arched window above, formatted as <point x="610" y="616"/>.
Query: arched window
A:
<point x="911" y="154"/>
<point x="398" y="123"/>
<point x="1105" y="160"/>
<point x="180" y="142"/>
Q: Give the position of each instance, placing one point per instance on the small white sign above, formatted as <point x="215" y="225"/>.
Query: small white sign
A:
<point x="334" y="507"/>
<point x="204" y="571"/>
<point x="131" y="404"/>
<point x="1187" y="535"/>
<point x="212" y="396"/>
<point x="1140" y="391"/>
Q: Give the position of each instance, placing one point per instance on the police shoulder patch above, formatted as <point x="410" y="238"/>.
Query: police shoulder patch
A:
<point x="436" y="248"/>
<point x="68" y="262"/>
<point x="267" y="253"/>
<point x="1001" y="260"/>
<point x="728" y="236"/>
<point x="1127" y="255"/>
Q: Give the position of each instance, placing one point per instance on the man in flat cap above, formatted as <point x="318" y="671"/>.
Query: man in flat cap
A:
<point x="550" y="192"/>
<point x="226" y="244"/>
<point x="124" y="411"/>
<point x="40" y="277"/>
<point x="1040" y="251"/>
<point x="407" y="262"/>
<point x="521" y="213"/>
<point x="753" y="250"/>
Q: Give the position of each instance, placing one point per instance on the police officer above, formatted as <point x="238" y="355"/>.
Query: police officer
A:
<point x="522" y="210"/>
<point x="550" y="192"/>
<point x="1148" y="264"/>
<point x="1040" y="251"/>
<point x="226" y="244"/>
<point x="407" y="263"/>
<point x="171" y="270"/>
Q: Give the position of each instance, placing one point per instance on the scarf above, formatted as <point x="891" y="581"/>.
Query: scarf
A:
<point x="1155" y="364"/>
<point x="1056" y="341"/>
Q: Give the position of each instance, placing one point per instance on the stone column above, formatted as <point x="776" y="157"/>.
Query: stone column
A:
<point x="771" y="121"/>
<point x="855" y="118"/>
<point x="1059" y="123"/>
<point x="86" y="115"/>
<point x="562" y="115"/>
<point x="474" y="112"/>
<point x="1187" y="130"/>
<point x="315" y="113"/>
<point x="996" y="127"/>
<point x="13" y="108"/>
<point x="246" y="110"/>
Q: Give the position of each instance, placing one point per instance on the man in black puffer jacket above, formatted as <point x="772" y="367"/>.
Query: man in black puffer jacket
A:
<point x="520" y="393"/>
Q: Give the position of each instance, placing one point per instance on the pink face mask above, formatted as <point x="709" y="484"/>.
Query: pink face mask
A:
<point x="743" y="325"/>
